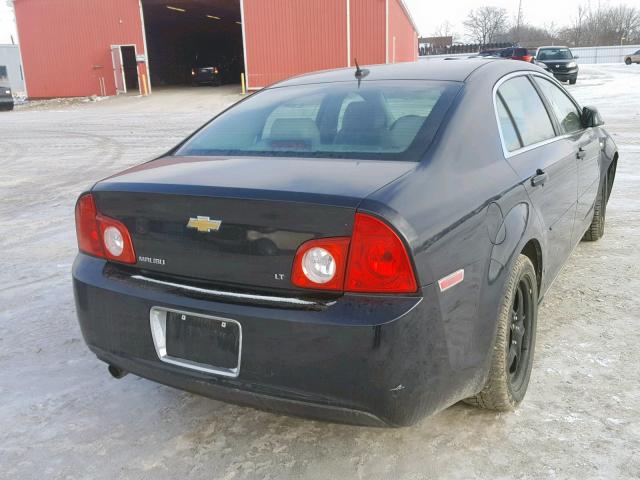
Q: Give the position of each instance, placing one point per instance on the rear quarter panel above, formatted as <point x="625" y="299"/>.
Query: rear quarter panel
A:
<point x="452" y="210"/>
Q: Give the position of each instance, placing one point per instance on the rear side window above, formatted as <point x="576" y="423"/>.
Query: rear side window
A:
<point x="383" y="120"/>
<point x="527" y="110"/>
<point x="564" y="109"/>
<point x="509" y="133"/>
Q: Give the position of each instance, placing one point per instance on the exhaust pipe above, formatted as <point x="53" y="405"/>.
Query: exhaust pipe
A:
<point x="116" y="372"/>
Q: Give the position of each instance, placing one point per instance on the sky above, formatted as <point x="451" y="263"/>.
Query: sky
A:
<point x="430" y="14"/>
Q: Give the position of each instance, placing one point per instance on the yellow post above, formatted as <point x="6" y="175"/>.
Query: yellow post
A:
<point x="244" y="88"/>
<point x="145" y="89"/>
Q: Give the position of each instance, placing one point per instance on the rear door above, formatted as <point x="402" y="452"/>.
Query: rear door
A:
<point x="586" y="146"/>
<point x="118" y="69"/>
<point x="545" y="163"/>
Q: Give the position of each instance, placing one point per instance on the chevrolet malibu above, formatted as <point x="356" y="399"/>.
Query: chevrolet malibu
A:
<point x="365" y="246"/>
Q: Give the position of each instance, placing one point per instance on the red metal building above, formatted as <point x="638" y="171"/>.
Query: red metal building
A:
<point x="96" y="47"/>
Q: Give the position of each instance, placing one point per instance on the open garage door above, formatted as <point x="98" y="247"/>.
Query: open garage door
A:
<point x="193" y="41"/>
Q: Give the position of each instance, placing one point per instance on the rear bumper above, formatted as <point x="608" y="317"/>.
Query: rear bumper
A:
<point x="359" y="359"/>
<point x="6" y="102"/>
<point x="206" y="80"/>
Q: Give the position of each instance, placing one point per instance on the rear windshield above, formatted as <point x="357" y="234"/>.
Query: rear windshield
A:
<point x="520" y="52"/>
<point x="383" y="120"/>
<point x="554" y="54"/>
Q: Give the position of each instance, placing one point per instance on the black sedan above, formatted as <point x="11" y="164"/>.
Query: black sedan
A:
<point x="559" y="61"/>
<point x="206" y="75"/>
<point x="366" y="248"/>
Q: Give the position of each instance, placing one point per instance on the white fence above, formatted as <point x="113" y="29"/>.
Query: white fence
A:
<point x="613" y="54"/>
<point x="588" y="55"/>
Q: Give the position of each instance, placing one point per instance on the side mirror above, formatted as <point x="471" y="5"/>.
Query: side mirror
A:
<point x="576" y="57"/>
<point x="591" y="117"/>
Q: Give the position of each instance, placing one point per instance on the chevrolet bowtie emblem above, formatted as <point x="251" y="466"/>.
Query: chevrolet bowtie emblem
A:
<point x="204" y="224"/>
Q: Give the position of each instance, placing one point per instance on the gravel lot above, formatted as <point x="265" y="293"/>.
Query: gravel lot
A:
<point x="63" y="416"/>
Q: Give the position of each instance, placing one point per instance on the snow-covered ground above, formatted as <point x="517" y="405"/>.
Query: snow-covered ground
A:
<point x="63" y="416"/>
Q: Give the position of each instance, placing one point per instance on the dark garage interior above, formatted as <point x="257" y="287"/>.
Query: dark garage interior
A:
<point x="186" y="35"/>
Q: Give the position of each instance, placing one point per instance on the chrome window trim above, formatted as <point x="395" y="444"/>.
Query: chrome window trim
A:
<point x="158" y="323"/>
<point x="505" y="151"/>
<point x="235" y="295"/>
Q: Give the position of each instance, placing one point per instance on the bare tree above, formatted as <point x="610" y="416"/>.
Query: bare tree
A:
<point x="603" y="26"/>
<point x="484" y="24"/>
<point x="577" y="29"/>
<point x="445" y="29"/>
<point x="626" y="22"/>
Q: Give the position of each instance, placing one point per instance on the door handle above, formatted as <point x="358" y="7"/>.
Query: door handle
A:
<point x="581" y="153"/>
<point x="539" y="178"/>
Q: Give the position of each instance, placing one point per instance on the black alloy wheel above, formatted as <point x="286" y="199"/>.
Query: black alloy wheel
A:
<point x="519" y="344"/>
<point x="512" y="354"/>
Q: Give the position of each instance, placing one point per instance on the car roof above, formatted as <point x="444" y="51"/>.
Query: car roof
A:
<point x="454" y="69"/>
<point x="553" y="46"/>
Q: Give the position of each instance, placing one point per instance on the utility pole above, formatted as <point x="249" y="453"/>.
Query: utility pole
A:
<point x="518" y="21"/>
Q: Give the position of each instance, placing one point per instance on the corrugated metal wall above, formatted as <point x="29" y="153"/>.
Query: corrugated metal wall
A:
<point x="289" y="37"/>
<point x="403" y="39"/>
<point x="66" y="44"/>
<point x="368" y="24"/>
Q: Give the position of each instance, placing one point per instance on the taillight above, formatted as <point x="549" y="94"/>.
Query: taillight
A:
<point x="116" y="240"/>
<point x="378" y="260"/>
<point x="87" y="228"/>
<point x="321" y="264"/>
<point x="373" y="260"/>
<point x="102" y="236"/>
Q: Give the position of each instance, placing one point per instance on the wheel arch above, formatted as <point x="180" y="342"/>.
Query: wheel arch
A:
<point x="611" y="173"/>
<point x="533" y="250"/>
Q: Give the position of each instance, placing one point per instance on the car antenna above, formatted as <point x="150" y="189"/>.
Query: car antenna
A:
<point x="360" y="73"/>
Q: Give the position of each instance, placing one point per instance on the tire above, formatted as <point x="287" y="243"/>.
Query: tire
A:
<point x="573" y="81"/>
<point x="627" y="61"/>
<point x="509" y="377"/>
<point x="596" y="229"/>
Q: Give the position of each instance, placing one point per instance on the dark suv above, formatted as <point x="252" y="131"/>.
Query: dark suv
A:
<point x="560" y="62"/>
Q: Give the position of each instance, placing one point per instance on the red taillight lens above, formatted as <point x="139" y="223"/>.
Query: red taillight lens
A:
<point x="87" y="228"/>
<point x="102" y="236"/>
<point x="116" y="240"/>
<point x="373" y="260"/>
<point x="321" y="263"/>
<point x="378" y="260"/>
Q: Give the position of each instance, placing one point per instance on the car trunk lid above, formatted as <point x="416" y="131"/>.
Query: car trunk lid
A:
<point x="237" y="221"/>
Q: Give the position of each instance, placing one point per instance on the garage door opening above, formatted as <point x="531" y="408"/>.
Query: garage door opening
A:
<point x="193" y="42"/>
